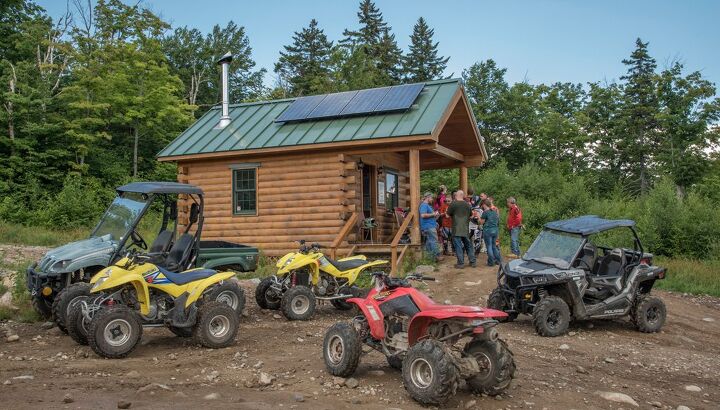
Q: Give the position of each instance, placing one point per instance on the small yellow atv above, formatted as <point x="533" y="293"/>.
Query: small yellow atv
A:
<point x="306" y="276"/>
<point x="135" y="292"/>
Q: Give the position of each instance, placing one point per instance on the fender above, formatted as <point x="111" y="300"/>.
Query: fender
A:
<point x="353" y="274"/>
<point x="195" y="289"/>
<point x="115" y="276"/>
<point x="419" y="323"/>
<point x="371" y="311"/>
<point x="302" y="261"/>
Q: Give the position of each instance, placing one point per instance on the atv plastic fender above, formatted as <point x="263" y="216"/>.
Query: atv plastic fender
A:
<point x="300" y="262"/>
<point x="114" y="276"/>
<point x="420" y="323"/>
<point x="196" y="289"/>
<point x="353" y="274"/>
<point x="375" y="318"/>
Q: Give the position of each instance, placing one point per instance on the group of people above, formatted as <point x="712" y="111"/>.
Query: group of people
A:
<point x="446" y="220"/>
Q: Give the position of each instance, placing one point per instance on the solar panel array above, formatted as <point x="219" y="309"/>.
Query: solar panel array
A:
<point x="351" y="103"/>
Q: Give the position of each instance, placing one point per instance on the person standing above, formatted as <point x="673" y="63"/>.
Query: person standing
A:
<point x="440" y="199"/>
<point x="490" y="221"/>
<point x="461" y="212"/>
<point x="428" y="226"/>
<point x="445" y="227"/>
<point x="514" y="225"/>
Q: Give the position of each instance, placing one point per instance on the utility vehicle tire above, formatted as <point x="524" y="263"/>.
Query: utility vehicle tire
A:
<point x="66" y="298"/>
<point x="76" y="323"/>
<point x="395" y="362"/>
<point x="114" y="332"/>
<point x="181" y="331"/>
<point x="551" y="316"/>
<point x="298" y="303"/>
<point x="429" y="373"/>
<point x="497" y="366"/>
<point x="230" y="293"/>
<point x="263" y="299"/>
<point x="216" y="326"/>
<point x="342" y="304"/>
<point x="42" y="306"/>
<point x="649" y="314"/>
<point x="341" y="349"/>
<point x="497" y="301"/>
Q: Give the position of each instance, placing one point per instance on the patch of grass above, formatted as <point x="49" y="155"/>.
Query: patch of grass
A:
<point x="18" y="234"/>
<point x="20" y="295"/>
<point x="412" y="260"/>
<point x="690" y="276"/>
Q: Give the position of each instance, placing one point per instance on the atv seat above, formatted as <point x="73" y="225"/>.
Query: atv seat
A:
<point x="187" y="276"/>
<point x="588" y="258"/>
<point x="179" y="254"/>
<point x="162" y="242"/>
<point x="612" y="264"/>
<point x="348" y="264"/>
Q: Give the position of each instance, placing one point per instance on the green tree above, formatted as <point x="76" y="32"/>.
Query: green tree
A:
<point x="600" y="118"/>
<point x="422" y="63"/>
<point x="305" y="64"/>
<point x="485" y="86"/>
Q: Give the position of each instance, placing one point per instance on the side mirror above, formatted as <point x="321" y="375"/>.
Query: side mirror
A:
<point x="194" y="213"/>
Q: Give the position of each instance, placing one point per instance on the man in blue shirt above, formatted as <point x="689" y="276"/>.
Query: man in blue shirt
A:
<point x="428" y="226"/>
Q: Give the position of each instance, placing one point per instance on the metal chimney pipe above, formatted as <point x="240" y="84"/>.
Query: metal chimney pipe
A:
<point x="224" y="61"/>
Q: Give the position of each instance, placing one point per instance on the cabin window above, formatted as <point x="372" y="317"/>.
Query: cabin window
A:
<point x="245" y="191"/>
<point x="391" y="190"/>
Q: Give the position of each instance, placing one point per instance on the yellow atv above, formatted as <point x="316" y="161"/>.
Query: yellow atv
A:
<point x="306" y="276"/>
<point x="135" y="292"/>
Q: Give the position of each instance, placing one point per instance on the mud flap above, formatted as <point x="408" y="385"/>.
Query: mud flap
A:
<point x="181" y="317"/>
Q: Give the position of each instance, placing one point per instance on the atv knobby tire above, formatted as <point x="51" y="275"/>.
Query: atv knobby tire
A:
<point x="649" y="314"/>
<point x="216" y="326"/>
<point x="497" y="301"/>
<point x="114" y="332"/>
<point x="42" y="306"/>
<point x="551" y="316"/>
<point x="429" y="373"/>
<point x="342" y="304"/>
<point x="230" y="293"/>
<point x="76" y="324"/>
<point x="298" y="303"/>
<point x="263" y="299"/>
<point x="341" y="349"/>
<point x="65" y="299"/>
<point x="497" y="366"/>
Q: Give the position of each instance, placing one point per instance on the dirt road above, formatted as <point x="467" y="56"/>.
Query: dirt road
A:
<point x="677" y="367"/>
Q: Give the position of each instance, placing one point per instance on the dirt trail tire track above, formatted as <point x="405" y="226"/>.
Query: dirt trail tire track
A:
<point x="601" y="356"/>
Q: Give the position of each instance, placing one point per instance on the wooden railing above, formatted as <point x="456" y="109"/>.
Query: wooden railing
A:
<point x="349" y="225"/>
<point x="395" y="258"/>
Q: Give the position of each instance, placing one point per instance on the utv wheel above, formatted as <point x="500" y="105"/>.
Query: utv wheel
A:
<point x="551" y="316"/>
<point x="497" y="366"/>
<point x="497" y="301"/>
<point x="429" y="373"/>
<point x="342" y="304"/>
<point x="77" y="325"/>
<point x="395" y="362"/>
<point x="181" y="331"/>
<point x="114" y="332"/>
<point x="266" y="297"/>
<point x="341" y="349"/>
<point x="298" y="303"/>
<point x="67" y="298"/>
<point x="42" y="306"/>
<point x="229" y="293"/>
<point x="649" y="314"/>
<point x="216" y="326"/>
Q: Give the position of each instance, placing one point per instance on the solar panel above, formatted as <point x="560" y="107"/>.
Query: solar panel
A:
<point x="400" y="97"/>
<point x="332" y="105"/>
<point x="365" y="101"/>
<point x="300" y="108"/>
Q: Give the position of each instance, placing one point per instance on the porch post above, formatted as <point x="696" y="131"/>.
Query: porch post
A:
<point x="464" y="179"/>
<point x="415" y="195"/>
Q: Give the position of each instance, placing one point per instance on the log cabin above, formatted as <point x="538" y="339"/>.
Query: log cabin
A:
<point x="275" y="172"/>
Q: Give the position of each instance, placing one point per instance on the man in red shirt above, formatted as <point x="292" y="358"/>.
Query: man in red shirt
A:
<point x="514" y="224"/>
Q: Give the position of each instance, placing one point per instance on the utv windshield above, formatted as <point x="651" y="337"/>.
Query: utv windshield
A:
<point x="554" y="248"/>
<point x="121" y="216"/>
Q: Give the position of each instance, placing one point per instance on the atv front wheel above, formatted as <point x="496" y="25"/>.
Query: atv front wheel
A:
<point x="266" y="297"/>
<point x="76" y="323"/>
<point x="497" y="301"/>
<point x="649" y="314"/>
<point x="551" y="316"/>
<point x="341" y="349"/>
<point x="429" y="374"/>
<point x="114" y="332"/>
<point x="229" y="293"/>
<point x="342" y="304"/>
<point x="497" y="366"/>
<point x="298" y="303"/>
<point x="42" y="306"/>
<point x="216" y="326"/>
<point x="65" y="300"/>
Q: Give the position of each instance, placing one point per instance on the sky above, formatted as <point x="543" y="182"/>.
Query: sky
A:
<point x="541" y="41"/>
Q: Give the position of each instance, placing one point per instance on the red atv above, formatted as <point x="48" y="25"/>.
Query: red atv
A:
<point x="420" y="336"/>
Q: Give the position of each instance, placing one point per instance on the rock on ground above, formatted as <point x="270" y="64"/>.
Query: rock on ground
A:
<point x="617" y="397"/>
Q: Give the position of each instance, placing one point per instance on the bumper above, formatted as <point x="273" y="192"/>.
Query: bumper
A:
<point x="37" y="280"/>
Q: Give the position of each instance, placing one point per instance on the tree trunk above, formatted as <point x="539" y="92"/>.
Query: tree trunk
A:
<point x="135" y="151"/>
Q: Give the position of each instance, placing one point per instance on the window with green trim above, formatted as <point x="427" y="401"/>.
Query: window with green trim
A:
<point x="245" y="191"/>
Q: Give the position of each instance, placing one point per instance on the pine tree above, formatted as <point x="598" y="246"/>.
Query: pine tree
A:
<point x="305" y="65"/>
<point x="370" y="33"/>
<point x="423" y="62"/>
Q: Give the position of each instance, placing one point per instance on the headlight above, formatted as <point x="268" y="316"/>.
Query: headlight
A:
<point x="287" y="262"/>
<point x="540" y="279"/>
<point x="60" y="265"/>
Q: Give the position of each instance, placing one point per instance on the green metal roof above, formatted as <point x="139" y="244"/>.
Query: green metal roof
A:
<point x="253" y="126"/>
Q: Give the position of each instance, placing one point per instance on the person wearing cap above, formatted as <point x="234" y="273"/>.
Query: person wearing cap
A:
<point x="428" y="226"/>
